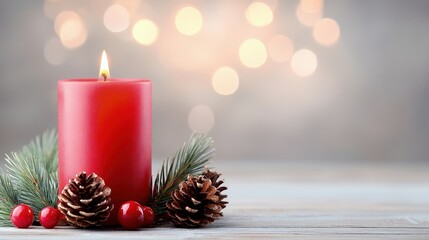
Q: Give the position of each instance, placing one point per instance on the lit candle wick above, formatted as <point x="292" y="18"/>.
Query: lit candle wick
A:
<point x="104" y="76"/>
<point x="104" y="67"/>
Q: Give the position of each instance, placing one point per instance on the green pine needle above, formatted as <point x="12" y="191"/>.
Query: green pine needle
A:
<point x="32" y="175"/>
<point x="46" y="149"/>
<point x="8" y="199"/>
<point x="189" y="160"/>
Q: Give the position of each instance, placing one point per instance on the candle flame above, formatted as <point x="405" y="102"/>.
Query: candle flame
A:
<point x="104" y="67"/>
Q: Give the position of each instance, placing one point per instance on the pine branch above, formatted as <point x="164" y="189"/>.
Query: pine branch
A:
<point x="8" y="199"/>
<point x="189" y="160"/>
<point x="31" y="180"/>
<point x="45" y="148"/>
<point x="32" y="175"/>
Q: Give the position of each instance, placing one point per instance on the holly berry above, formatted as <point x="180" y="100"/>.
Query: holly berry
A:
<point x="22" y="216"/>
<point x="49" y="217"/>
<point x="130" y="215"/>
<point x="149" y="216"/>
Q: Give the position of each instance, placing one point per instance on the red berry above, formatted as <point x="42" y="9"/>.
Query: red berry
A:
<point x="149" y="216"/>
<point x="49" y="217"/>
<point x="22" y="216"/>
<point x="130" y="215"/>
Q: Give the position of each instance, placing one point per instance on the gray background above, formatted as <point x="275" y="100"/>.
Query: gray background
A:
<point x="368" y="99"/>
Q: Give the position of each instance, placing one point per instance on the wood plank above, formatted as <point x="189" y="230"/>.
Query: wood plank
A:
<point x="278" y="200"/>
<point x="219" y="232"/>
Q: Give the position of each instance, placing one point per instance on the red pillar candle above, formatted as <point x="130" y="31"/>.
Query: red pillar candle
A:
<point x="105" y="127"/>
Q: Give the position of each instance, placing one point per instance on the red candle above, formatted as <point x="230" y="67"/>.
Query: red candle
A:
<point x="105" y="127"/>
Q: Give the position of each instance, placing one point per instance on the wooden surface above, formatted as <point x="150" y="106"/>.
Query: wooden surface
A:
<point x="298" y="200"/>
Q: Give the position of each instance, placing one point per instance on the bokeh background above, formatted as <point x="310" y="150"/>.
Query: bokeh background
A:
<point x="287" y="80"/>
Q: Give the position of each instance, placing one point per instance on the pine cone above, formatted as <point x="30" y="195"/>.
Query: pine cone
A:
<point x="196" y="203"/>
<point x="85" y="201"/>
<point x="214" y="176"/>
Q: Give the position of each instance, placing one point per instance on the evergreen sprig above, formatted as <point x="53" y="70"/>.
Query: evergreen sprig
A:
<point x="8" y="199"/>
<point x="30" y="176"/>
<point x="190" y="159"/>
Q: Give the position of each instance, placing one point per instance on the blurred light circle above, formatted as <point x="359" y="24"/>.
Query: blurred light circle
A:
<point x="259" y="14"/>
<point x="304" y="63"/>
<point x="189" y="21"/>
<point x="280" y="48"/>
<point x="54" y="52"/>
<point x="145" y="32"/>
<point x="326" y="31"/>
<point x="201" y="119"/>
<point x="225" y="81"/>
<point x="116" y="18"/>
<point x="311" y="5"/>
<point x="308" y="18"/>
<point x="73" y="33"/>
<point x="253" y="53"/>
<point x="62" y="17"/>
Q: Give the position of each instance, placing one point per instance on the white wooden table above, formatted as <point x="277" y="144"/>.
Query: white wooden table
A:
<point x="295" y="200"/>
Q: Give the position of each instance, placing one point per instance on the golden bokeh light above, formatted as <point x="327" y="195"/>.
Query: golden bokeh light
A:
<point x="145" y="32"/>
<point x="311" y="5"/>
<point x="189" y="21"/>
<point x="326" y="31"/>
<point x="62" y="17"/>
<point x="253" y="53"/>
<point x="280" y="48"/>
<point x="73" y="33"/>
<point x="225" y="81"/>
<point x="54" y="52"/>
<point x="259" y="14"/>
<point x="309" y="12"/>
<point x="304" y="62"/>
<point x="116" y="18"/>
<point x="201" y="119"/>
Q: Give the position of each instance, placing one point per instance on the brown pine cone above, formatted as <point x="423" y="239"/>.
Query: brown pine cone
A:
<point x="214" y="176"/>
<point x="195" y="204"/>
<point x="85" y="201"/>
